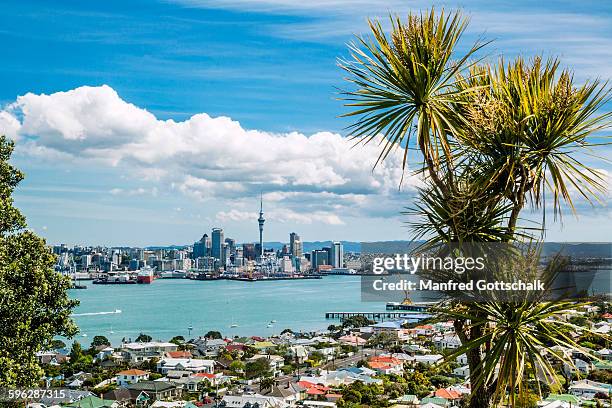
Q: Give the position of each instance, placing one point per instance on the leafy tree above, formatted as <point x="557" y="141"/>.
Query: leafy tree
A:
<point x="76" y="351"/>
<point x="356" y="321"/>
<point x="267" y="383"/>
<point x="493" y="138"/>
<point x="178" y="340"/>
<point x="213" y="334"/>
<point x="143" y="338"/>
<point x="237" y="366"/>
<point x="34" y="303"/>
<point x="286" y="331"/>
<point x="57" y="345"/>
<point x="418" y="384"/>
<point x="100" y="341"/>
<point x="257" y="368"/>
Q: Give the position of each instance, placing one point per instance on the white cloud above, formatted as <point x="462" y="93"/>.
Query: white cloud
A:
<point x="309" y="177"/>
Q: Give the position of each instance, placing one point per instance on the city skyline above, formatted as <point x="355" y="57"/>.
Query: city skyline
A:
<point x="153" y="121"/>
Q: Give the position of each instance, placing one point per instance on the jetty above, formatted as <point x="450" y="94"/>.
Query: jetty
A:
<point x="376" y="316"/>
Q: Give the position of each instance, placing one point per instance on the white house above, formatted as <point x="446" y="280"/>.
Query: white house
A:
<point x="127" y="377"/>
<point x="239" y="401"/>
<point x="186" y="364"/>
<point x="449" y="341"/>
<point x="587" y="388"/>
<point x="144" y="351"/>
<point x="463" y="372"/>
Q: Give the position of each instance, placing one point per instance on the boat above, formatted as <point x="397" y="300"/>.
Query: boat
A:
<point x="176" y="274"/>
<point x="114" y="279"/>
<point x="270" y="325"/>
<point x="272" y="321"/>
<point x="233" y="325"/>
<point x="145" y="275"/>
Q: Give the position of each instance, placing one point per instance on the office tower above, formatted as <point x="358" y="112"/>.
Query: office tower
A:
<point x="231" y="243"/>
<point x="319" y="257"/>
<point x="261" y="221"/>
<point x="337" y="255"/>
<point x="248" y="251"/>
<point x="295" y="245"/>
<point x="217" y="243"/>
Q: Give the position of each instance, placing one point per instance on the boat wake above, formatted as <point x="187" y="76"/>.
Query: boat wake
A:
<point x="116" y="311"/>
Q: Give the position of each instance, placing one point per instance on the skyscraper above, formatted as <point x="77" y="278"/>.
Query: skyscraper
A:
<point x="337" y="255"/>
<point x="216" y="250"/>
<point x="295" y="245"/>
<point x="201" y="247"/>
<point x="261" y="221"/>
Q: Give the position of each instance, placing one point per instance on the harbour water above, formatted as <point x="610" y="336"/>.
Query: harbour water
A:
<point x="168" y="307"/>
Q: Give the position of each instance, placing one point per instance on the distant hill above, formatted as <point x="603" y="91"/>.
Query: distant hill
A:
<point x="579" y="249"/>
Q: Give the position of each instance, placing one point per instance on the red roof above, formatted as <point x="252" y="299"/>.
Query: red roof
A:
<point x="306" y="384"/>
<point x="387" y="360"/>
<point x="132" y="372"/>
<point x="448" y="394"/>
<point x="607" y="315"/>
<point x="207" y="375"/>
<point x="315" y="391"/>
<point x="179" y="354"/>
<point x="232" y="347"/>
<point x="381" y="366"/>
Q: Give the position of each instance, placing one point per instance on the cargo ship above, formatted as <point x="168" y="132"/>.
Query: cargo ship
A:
<point x="145" y="275"/>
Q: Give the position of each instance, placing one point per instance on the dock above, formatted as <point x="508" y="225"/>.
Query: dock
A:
<point x="376" y="316"/>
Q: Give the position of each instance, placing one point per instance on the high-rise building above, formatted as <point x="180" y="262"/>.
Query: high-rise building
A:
<point x="248" y="251"/>
<point x="319" y="257"/>
<point x="216" y="250"/>
<point x="337" y="255"/>
<point x="295" y="245"/>
<point x="261" y="221"/>
<point x="201" y="247"/>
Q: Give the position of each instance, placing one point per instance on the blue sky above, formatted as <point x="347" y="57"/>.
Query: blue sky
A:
<point x="261" y="78"/>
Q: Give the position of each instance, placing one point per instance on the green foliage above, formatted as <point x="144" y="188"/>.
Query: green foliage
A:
<point x="366" y="394"/>
<point x="34" y="303"/>
<point x="417" y="384"/>
<point x="57" y="345"/>
<point x="603" y="376"/>
<point x="178" y="340"/>
<point x="213" y="335"/>
<point x="356" y="321"/>
<point x="143" y="338"/>
<point x="257" y="368"/>
<point x="493" y="139"/>
<point x="237" y="366"/>
<point x="100" y="341"/>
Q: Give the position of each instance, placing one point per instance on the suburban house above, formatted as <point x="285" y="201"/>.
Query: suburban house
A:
<point x="210" y="347"/>
<point x="463" y="371"/>
<point x="352" y="340"/>
<point x="185" y="364"/>
<point x="249" y="400"/>
<point x="449" y="341"/>
<point x="587" y="388"/>
<point x="386" y="365"/>
<point x="146" y="392"/>
<point x="139" y="352"/>
<point x="127" y="377"/>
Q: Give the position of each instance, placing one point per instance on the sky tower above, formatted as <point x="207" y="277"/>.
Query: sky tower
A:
<point x="261" y="221"/>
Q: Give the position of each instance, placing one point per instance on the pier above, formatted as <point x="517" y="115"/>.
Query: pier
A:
<point x="376" y="316"/>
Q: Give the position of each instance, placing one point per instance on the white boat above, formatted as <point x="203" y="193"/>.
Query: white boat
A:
<point x="234" y="325"/>
<point x="270" y="325"/>
<point x="176" y="274"/>
<point x="272" y="321"/>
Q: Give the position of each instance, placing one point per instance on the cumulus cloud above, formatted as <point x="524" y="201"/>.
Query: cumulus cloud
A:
<point x="309" y="177"/>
